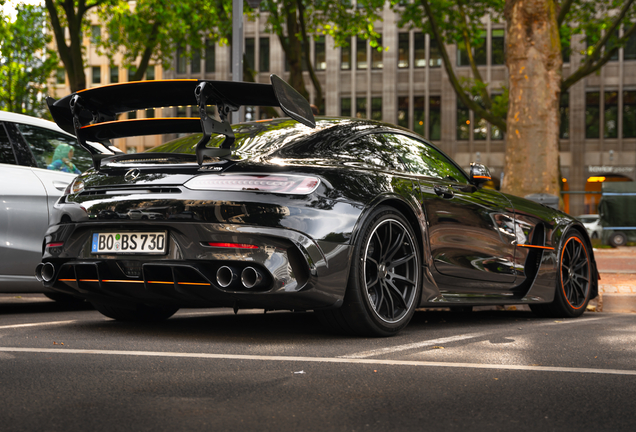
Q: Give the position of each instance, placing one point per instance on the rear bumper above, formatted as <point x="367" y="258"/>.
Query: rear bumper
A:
<point x="299" y="273"/>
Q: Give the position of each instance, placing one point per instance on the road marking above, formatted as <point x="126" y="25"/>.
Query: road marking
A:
<point x="431" y="342"/>
<point x="323" y="360"/>
<point x="414" y="345"/>
<point x="38" y="324"/>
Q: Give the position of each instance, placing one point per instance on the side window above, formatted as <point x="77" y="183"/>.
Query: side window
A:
<point x="6" y="149"/>
<point x="424" y="159"/>
<point x="55" y="151"/>
<point x="373" y="150"/>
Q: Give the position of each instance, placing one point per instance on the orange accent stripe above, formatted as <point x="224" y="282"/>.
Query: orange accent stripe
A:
<point x="89" y="280"/>
<point x="193" y="283"/>
<point x="67" y="280"/>
<point x="536" y="247"/>
<point x="136" y="120"/>
<point x="136" y="82"/>
<point x="122" y="281"/>
<point x="483" y="177"/>
<point x="161" y="282"/>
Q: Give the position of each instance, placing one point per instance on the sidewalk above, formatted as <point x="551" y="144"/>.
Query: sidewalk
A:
<point x="617" y="287"/>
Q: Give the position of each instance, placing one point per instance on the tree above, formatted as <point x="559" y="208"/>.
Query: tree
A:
<point x="153" y="30"/>
<point x="71" y="15"/>
<point x="26" y="63"/>
<point x="536" y="32"/>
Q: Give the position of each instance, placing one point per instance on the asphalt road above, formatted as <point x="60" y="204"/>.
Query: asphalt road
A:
<point x="70" y="369"/>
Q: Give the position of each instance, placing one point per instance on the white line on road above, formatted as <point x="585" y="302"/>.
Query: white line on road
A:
<point x="432" y="342"/>
<point x="323" y="360"/>
<point x="38" y="324"/>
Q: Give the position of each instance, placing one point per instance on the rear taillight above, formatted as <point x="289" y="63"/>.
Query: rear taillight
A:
<point x="272" y="183"/>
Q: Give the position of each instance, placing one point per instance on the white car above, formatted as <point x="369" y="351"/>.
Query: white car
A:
<point x="592" y="223"/>
<point x="31" y="181"/>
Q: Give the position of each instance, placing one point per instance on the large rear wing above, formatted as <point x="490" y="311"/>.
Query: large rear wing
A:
<point x="91" y="114"/>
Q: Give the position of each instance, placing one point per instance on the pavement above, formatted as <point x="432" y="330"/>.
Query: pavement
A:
<point x="617" y="286"/>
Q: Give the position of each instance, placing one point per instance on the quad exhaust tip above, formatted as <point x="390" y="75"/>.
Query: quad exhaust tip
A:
<point x="250" y="277"/>
<point x="225" y="276"/>
<point x="45" y="272"/>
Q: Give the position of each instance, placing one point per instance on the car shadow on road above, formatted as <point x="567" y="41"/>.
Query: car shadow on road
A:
<point x="19" y="305"/>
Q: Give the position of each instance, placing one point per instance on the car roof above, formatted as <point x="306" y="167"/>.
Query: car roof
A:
<point x="32" y="121"/>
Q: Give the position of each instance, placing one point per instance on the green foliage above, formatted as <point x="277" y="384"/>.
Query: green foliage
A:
<point x="151" y="30"/>
<point x="342" y="21"/>
<point x="26" y="62"/>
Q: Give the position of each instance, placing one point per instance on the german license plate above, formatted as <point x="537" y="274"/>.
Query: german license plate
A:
<point x="129" y="242"/>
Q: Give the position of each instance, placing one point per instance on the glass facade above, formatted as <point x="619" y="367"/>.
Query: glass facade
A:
<point x="435" y="118"/>
<point x="195" y="63"/>
<point x="250" y="53"/>
<point x="345" y="57"/>
<point x="361" y="107"/>
<point x="463" y="121"/>
<point x="376" y="108"/>
<point x="564" y="113"/>
<point x="210" y="56"/>
<point x="435" y="57"/>
<point x="403" y="111"/>
<point x="419" y="49"/>
<point x="345" y="107"/>
<point x="498" y="48"/>
<point x="361" y="53"/>
<point x="610" y="115"/>
<point x="263" y="54"/>
<point x="403" y="50"/>
<point x="377" y="55"/>
<point x="96" y="75"/>
<point x="320" y="55"/>
<point x="629" y="114"/>
<point x="592" y="111"/>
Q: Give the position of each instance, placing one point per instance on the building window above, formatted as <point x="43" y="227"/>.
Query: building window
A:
<point x="376" y="108"/>
<point x="479" y="53"/>
<point x="403" y="111"/>
<point x="613" y="40"/>
<point x="345" y="107"/>
<point x="403" y="50"/>
<point x="263" y="54"/>
<point x="181" y="60"/>
<point x="96" y="33"/>
<point x="435" y="118"/>
<point x="435" y="56"/>
<point x="592" y="111"/>
<point x="181" y="111"/>
<point x="610" y="118"/>
<point x="361" y="53"/>
<point x="480" y="129"/>
<point x="566" y="50"/>
<point x="60" y="76"/>
<point x="150" y="73"/>
<point x="629" y="51"/>
<point x="564" y="113"/>
<point x="345" y="57"/>
<point x="250" y="113"/>
<point x="150" y="113"/>
<point x="418" y="115"/>
<point x="132" y="70"/>
<point x="195" y="63"/>
<point x="629" y="114"/>
<point x="132" y="115"/>
<point x="361" y="107"/>
<point x="419" y="49"/>
<point x="376" y="55"/>
<point x="210" y="58"/>
<point x="96" y="74"/>
<point x="498" y="48"/>
<point x="114" y="74"/>
<point x="250" y="54"/>
<point x="463" y="121"/>
<point x="131" y="150"/>
<point x="320" y="55"/>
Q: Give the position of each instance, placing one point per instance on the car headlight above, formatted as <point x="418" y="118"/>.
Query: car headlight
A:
<point x="272" y="183"/>
<point x="76" y="186"/>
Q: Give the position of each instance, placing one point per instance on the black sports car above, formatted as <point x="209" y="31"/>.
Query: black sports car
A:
<point x="361" y="222"/>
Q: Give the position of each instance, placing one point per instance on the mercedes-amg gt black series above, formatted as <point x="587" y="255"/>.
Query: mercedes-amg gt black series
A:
<point x="359" y="221"/>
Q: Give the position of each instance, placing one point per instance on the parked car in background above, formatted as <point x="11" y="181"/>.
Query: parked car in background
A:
<point x="617" y="210"/>
<point x="592" y="223"/>
<point x="38" y="160"/>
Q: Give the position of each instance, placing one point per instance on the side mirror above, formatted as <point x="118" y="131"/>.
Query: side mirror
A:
<point x="479" y="174"/>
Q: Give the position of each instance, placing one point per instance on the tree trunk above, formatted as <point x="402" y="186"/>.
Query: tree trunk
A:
<point x="533" y="57"/>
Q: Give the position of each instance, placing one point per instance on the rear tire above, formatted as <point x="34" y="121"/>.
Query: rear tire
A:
<point x="141" y="313"/>
<point x="575" y="281"/>
<point x="384" y="282"/>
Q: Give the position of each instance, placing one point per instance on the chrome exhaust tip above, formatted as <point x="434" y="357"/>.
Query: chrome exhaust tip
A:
<point x="48" y="272"/>
<point x="250" y="277"/>
<point x="225" y="276"/>
<point x="38" y="272"/>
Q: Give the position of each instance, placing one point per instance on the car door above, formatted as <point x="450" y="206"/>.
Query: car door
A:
<point x="471" y="230"/>
<point x="28" y="189"/>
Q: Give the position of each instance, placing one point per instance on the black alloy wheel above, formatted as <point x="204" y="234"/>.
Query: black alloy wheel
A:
<point x="574" y="280"/>
<point x="384" y="283"/>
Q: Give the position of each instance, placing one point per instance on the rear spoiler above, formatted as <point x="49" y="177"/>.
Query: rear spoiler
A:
<point x="91" y="114"/>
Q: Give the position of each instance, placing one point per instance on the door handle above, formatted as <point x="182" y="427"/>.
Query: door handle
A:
<point x="61" y="186"/>
<point x="444" y="192"/>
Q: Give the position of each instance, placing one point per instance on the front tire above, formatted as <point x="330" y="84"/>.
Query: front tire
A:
<point x="139" y="313"/>
<point x="574" y="281"/>
<point x="384" y="283"/>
